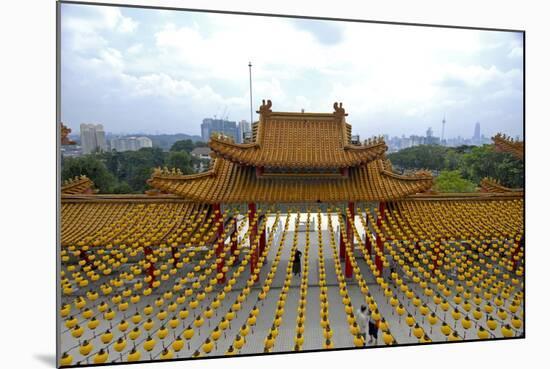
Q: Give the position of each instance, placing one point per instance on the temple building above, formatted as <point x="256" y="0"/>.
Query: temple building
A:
<point x="295" y="157"/>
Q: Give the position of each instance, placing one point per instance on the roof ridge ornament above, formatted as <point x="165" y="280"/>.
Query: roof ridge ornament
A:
<point x="265" y="108"/>
<point x="374" y="140"/>
<point x="339" y="111"/>
<point x="504" y="143"/>
<point x="65" y="131"/>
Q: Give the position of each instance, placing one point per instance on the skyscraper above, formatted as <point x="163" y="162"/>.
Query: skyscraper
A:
<point x="243" y="130"/>
<point x="429" y="132"/>
<point x="477" y="134"/>
<point x="443" y="131"/>
<point x="92" y="138"/>
<point x="130" y="143"/>
<point x="144" y="142"/>
<point x="223" y="126"/>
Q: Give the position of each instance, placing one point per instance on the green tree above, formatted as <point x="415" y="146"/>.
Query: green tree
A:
<point x="181" y="160"/>
<point x="122" y="187"/>
<point x="473" y="162"/>
<point x="137" y="166"/>
<point x="463" y="149"/>
<point x="451" y="181"/>
<point x="114" y="161"/>
<point x="420" y="157"/>
<point x="138" y="178"/>
<point x="484" y="161"/>
<point x="92" y="167"/>
<point x="183" y="145"/>
<point x="452" y="159"/>
<point x="128" y="171"/>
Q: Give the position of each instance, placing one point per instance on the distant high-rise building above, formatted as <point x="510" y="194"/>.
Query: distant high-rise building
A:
<point x="477" y="134"/>
<point x="92" y="138"/>
<point x="429" y="132"/>
<point x="144" y="142"/>
<point x="430" y="139"/>
<point x="226" y="127"/>
<point x="121" y="144"/>
<point x="443" y="130"/>
<point x="244" y="130"/>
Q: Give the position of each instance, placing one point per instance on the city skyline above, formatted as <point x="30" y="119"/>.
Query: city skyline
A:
<point x="395" y="143"/>
<point x="433" y="133"/>
<point x="138" y="70"/>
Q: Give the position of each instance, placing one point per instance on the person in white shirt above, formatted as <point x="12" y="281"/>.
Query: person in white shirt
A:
<point x="362" y="319"/>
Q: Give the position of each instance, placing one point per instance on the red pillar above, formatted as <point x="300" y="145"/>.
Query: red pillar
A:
<point x="350" y="221"/>
<point x="151" y="270"/>
<point x="368" y="243"/>
<point x="234" y="240"/>
<point x="219" y="242"/>
<point x="517" y="247"/>
<point x="368" y="239"/>
<point x="174" y="251"/>
<point x="349" y="232"/>
<point x="84" y="256"/>
<point x="378" y="259"/>
<point x="342" y="244"/>
<point x="379" y="246"/>
<point x="253" y="232"/>
<point x="262" y="240"/>
<point x="381" y="208"/>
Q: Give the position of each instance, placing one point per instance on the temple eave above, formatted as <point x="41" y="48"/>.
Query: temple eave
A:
<point x="236" y="184"/>
<point x="493" y="186"/>
<point x="255" y="155"/>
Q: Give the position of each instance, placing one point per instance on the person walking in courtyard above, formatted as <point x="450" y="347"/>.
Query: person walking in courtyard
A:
<point x="297" y="264"/>
<point x="373" y="330"/>
<point x="362" y="321"/>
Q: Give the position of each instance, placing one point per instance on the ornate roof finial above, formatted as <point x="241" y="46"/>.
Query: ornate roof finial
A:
<point x="339" y="110"/>
<point x="65" y="131"/>
<point x="265" y="108"/>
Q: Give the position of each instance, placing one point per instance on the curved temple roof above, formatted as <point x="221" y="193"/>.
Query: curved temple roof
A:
<point x="77" y="185"/>
<point x="228" y="182"/>
<point x="300" y="140"/>
<point x="504" y="143"/>
<point x="492" y="185"/>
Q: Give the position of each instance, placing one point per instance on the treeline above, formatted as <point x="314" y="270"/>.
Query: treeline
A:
<point x="166" y="141"/>
<point x="128" y="171"/>
<point x="457" y="169"/>
<point x="460" y="169"/>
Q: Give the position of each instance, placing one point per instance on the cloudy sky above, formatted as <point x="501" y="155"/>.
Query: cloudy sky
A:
<point x="156" y="71"/>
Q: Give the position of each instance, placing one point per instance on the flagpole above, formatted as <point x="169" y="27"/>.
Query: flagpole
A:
<point x="250" y="80"/>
